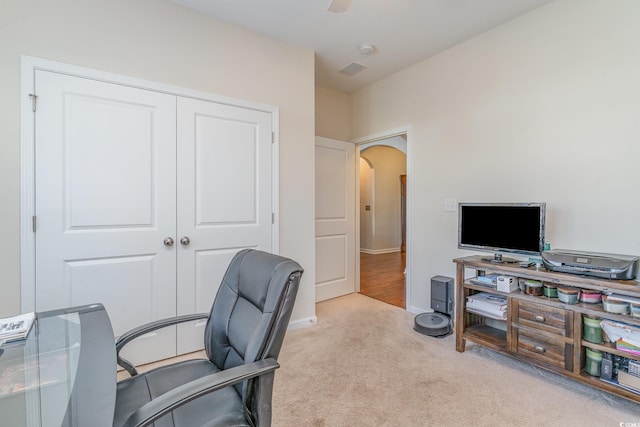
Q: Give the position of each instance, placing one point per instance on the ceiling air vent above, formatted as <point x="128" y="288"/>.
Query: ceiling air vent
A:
<point x="353" y="68"/>
<point x="339" y="6"/>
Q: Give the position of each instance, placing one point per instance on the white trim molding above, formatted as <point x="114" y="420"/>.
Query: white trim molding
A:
<point x="379" y="251"/>
<point x="364" y="141"/>
<point x="303" y="323"/>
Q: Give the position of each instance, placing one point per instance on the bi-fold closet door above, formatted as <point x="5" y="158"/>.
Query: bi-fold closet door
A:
<point x="142" y="199"/>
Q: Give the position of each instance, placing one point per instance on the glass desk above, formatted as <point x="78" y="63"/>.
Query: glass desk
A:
<point x="63" y="374"/>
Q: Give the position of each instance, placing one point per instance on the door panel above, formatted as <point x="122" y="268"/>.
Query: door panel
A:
<point x="224" y="199"/>
<point x="332" y="250"/>
<point x="335" y="218"/>
<point x="98" y="158"/>
<point x="96" y="279"/>
<point x="226" y="156"/>
<point x="105" y="200"/>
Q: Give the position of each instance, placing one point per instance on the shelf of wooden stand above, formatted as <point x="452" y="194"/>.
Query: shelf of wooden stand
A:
<point x="590" y="309"/>
<point x="609" y="347"/>
<point x="609" y="386"/>
<point x="487" y="336"/>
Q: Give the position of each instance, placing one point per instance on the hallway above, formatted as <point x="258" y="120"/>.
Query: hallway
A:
<point x="382" y="277"/>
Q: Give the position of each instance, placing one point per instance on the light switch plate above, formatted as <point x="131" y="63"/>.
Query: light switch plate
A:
<point x="450" y="205"/>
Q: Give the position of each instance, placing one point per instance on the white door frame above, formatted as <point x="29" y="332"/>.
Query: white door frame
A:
<point x="405" y="130"/>
<point x="29" y="65"/>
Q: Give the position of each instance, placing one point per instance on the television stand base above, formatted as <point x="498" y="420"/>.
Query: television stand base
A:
<point x="542" y="331"/>
<point x="499" y="259"/>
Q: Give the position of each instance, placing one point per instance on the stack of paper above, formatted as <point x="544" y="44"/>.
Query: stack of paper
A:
<point x="489" y="305"/>
<point x="15" y="328"/>
<point x="623" y="345"/>
<point x="626" y="337"/>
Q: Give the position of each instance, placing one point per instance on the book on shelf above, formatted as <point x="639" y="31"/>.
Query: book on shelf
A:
<point x="628" y="380"/>
<point x="15" y="328"/>
<point x="490" y="280"/>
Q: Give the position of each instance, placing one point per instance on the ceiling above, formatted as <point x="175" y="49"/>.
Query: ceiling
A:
<point x="403" y="32"/>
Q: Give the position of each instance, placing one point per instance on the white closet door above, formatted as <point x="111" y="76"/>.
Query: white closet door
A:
<point x="335" y="218"/>
<point x="224" y="199"/>
<point x="105" y="202"/>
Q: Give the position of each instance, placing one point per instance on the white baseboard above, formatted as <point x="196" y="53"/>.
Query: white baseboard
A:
<point x="303" y="323"/>
<point x="379" y="251"/>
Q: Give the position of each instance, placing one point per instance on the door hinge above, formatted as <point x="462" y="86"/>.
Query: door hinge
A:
<point x="273" y="138"/>
<point x="273" y="218"/>
<point x="33" y="223"/>
<point x="33" y="97"/>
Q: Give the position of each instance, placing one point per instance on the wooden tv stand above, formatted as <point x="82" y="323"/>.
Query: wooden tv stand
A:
<point x="539" y="330"/>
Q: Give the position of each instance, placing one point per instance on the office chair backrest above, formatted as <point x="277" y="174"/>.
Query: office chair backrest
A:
<point x="251" y="310"/>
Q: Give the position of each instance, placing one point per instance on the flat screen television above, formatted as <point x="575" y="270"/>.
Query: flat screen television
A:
<point x="502" y="227"/>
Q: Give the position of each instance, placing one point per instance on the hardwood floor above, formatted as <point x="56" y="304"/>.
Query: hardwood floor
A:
<point x="382" y="277"/>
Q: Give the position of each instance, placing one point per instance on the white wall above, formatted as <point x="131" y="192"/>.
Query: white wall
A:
<point x="332" y="114"/>
<point x="366" y="181"/>
<point x="543" y="108"/>
<point x="158" y="41"/>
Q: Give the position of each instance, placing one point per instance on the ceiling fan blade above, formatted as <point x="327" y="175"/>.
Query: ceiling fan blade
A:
<point x="339" y="6"/>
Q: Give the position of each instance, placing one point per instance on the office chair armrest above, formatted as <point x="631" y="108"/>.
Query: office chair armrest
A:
<point x="145" y="329"/>
<point x="179" y="396"/>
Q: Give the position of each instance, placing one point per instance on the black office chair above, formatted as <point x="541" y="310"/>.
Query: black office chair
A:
<point x="242" y="338"/>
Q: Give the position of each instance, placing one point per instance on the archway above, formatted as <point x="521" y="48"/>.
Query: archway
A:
<point x="382" y="220"/>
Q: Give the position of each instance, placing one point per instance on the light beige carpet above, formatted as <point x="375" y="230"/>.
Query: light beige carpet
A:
<point x="364" y="365"/>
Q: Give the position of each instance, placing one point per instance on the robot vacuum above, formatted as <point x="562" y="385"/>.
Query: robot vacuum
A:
<point x="437" y="324"/>
<point x="433" y="324"/>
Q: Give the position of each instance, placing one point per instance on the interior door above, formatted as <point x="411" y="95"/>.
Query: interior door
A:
<point x="335" y="218"/>
<point x="224" y="200"/>
<point x="105" y="203"/>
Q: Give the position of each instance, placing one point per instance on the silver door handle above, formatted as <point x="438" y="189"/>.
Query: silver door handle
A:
<point x="168" y="241"/>
<point x="185" y="241"/>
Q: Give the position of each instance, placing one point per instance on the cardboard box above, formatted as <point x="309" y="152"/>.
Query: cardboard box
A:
<point x="506" y="283"/>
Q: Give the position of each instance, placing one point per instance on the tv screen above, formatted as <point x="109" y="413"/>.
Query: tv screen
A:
<point x="502" y="227"/>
